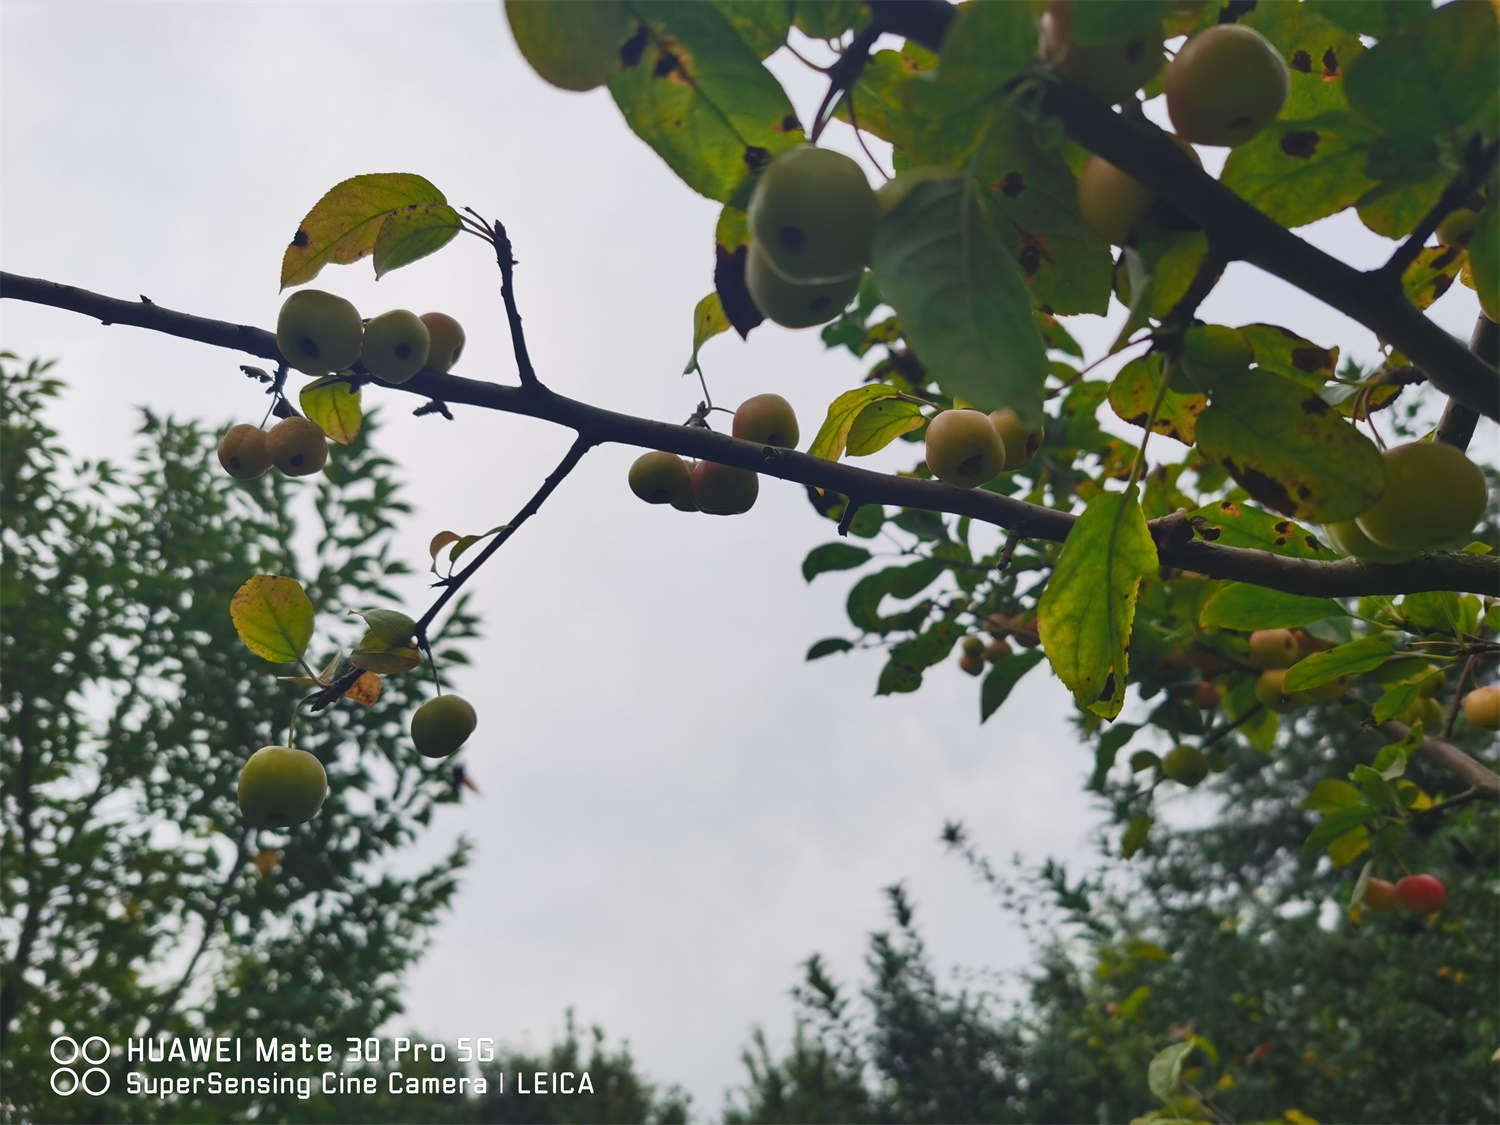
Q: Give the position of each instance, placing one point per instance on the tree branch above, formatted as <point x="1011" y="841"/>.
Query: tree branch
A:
<point x="1345" y="578"/>
<point x="1450" y="757"/>
<point x="1478" y="161"/>
<point x="1456" y="427"/>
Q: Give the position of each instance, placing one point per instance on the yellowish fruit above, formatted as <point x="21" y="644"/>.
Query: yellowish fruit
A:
<point x="1270" y="689"/>
<point x="1112" y="71"/>
<point x="1380" y="895"/>
<point x="1456" y="228"/>
<point x="971" y="663"/>
<point x="794" y="304"/>
<point x="318" y="333"/>
<point x="1021" y="442"/>
<point x="723" y="490"/>
<point x="297" y="446"/>
<point x="813" y="215"/>
<point x="1482" y="707"/>
<point x="1185" y="765"/>
<point x="243" y="451"/>
<point x="766" y="419"/>
<point x="1274" y="648"/>
<point x="1347" y="539"/>
<point x="280" y="786"/>
<point x="1110" y="202"/>
<point x="396" y="346"/>
<point x="441" y="725"/>
<point x="573" y="44"/>
<point x="445" y="340"/>
<point x="660" y="477"/>
<point x="963" y="448"/>
<point x="1428" y="712"/>
<point x="1433" y="497"/>
<point x="1226" y="84"/>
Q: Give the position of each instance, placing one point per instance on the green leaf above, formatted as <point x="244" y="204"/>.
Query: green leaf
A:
<point x="1087" y="609"/>
<point x="1298" y="171"/>
<point x="273" y="617"/>
<point x="412" y="233"/>
<point x="1376" y="18"/>
<point x="1350" y="659"/>
<point x="897" y="678"/>
<point x="1484" y="258"/>
<point x="1108" y="748"/>
<point x="882" y="92"/>
<point x="1350" y="846"/>
<point x="833" y="556"/>
<point x="334" y="405"/>
<point x="1135" y="835"/>
<point x="1002" y="677"/>
<point x="1335" y="823"/>
<point x="709" y="320"/>
<point x="699" y="95"/>
<point x="1231" y="524"/>
<point x="1290" y="449"/>
<point x="1329" y="794"/>
<point x="1241" y="605"/>
<point x="828" y="646"/>
<point x="1211" y="353"/>
<point x="1160" y="269"/>
<point x="1435" y="77"/>
<point x="1394" y="701"/>
<point x="1134" y="389"/>
<point x="961" y="299"/>
<point x="1164" y="1072"/>
<point x="828" y="19"/>
<point x="881" y="423"/>
<point x="1284" y="352"/>
<point x="346" y="223"/>
<point x="833" y="436"/>
<point x="761" y="23"/>
<point x="863" y="604"/>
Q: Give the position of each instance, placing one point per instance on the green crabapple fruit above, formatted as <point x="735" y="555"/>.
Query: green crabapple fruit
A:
<point x="1021" y="442"/>
<point x="1111" y="202"/>
<point x="1347" y="539"/>
<point x="1380" y="895"/>
<point x="318" y="333"/>
<point x="660" y="477"/>
<point x="243" y="451"/>
<point x="573" y="44"/>
<point x="1226" y="84"/>
<point x="297" y="446"/>
<point x="441" y="725"/>
<point x="396" y="346"/>
<point x="1456" y="228"/>
<point x="1274" y="648"/>
<point x="280" y="786"/>
<point x="1185" y="765"/>
<point x="963" y="448"/>
<point x="445" y="340"/>
<point x="1112" y="71"/>
<point x="1482" y="707"/>
<point x="767" y="420"/>
<point x="795" y="304"/>
<point x="1270" y="689"/>
<point x="723" y="490"/>
<point x="813" y="215"/>
<point x="1428" y="712"/>
<point x="1421" y="894"/>
<point x="1433" y="496"/>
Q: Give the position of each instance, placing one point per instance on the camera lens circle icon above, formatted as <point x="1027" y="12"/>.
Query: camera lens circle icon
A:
<point x="88" y="1056"/>
<point x="65" y="1043"/>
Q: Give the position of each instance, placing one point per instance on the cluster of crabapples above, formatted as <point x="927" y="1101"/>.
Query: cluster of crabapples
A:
<point x="1005" y="635"/>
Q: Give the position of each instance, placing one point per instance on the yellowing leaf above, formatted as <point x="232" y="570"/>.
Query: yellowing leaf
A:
<point x="273" y="617"/>
<point x="833" y="435"/>
<point x="334" y="405"/>
<point x="365" y="690"/>
<point x="1086" y="611"/>
<point x="709" y="319"/>
<point x="344" y="225"/>
<point x="413" y="232"/>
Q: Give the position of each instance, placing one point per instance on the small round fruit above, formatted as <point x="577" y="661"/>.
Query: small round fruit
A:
<point x="396" y="346"/>
<point x="1428" y="712"/>
<point x="318" y="333"/>
<point x="1185" y="765"/>
<point x="1111" y="202"/>
<point x="997" y="650"/>
<point x="793" y="304"/>
<point x="243" y="451"/>
<point x="890" y="194"/>
<point x="813" y="214"/>
<point x="1274" y="648"/>
<point x="767" y="420"/>
<point x="973" y="646"/>
<point x="1433" y="496"/>
<point x="281" y="786"/>
<point x="1482" y="707"/>
<point x="445" y="338"/>
<point x="441" y="725"/>
<point x="1020" y="442"/>
<point x="297" y="446"/>
<point x="1456" y="228"/>
<point x="1112" y="71"/>
<point x="1330" y="691"/>
<point x="963" y="448"/>
<point x="1348" y="539"/>
<point x="1206" y="696"/>
<point x="1421" y="894"/>
<point x="1270" y="689"/>
<point x="573" y="44"/>
<point x="723" y="490"/>
<point x="1380" y="895"/>
<point x="660" y="477"/>
<point x="1226" y="84"/>
<point x="973" y="665"/>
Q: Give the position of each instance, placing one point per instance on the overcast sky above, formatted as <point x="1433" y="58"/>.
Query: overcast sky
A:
<point x="676" y="809"/>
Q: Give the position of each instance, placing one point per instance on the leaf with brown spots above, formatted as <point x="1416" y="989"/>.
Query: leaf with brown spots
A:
<point x="1298" y="171"/>
<point x="1317" y="52"/>
<point x="1303" y="462"/>
<point x="1429" y="277"/>
<point x="1134" y="390"/>
<point x="350" y="220"/>
<point x="731" y="243"/>
<point x="1286" y="353"/>
<point x="883" y="88"/>
<point x="701" y="98"/>
<point x="1237" y="525"/>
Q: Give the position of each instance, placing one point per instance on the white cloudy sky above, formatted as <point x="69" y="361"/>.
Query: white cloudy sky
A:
<point x="676" y="809"/>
